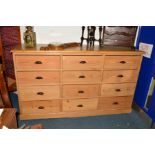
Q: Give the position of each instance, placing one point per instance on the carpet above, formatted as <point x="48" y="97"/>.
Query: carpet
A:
<point x="133" y="120"/>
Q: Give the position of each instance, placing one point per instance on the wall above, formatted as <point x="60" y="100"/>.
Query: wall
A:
<point x="49" y="34"/>
<point x="61" y="34"/>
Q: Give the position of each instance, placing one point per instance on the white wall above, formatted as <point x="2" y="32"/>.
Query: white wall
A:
<point x="49" y="34"/>
<point x="61" y="34"/>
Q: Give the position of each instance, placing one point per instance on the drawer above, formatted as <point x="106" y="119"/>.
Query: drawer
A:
<point x="36" y="107"/>
<point x="124" y="89"/>
<point x="79" y="104"/>
<point x="31" y="93"/>
<point x="82" y="76"/>
<point x="80" y="91"/>
<point x="122" y="62"/>
<point x="115" y="102"/>
<point x="37" y="62"/>
<point x="120" y="76"/>
<point x="38" y="78"/>
<point x="82" y="62"/>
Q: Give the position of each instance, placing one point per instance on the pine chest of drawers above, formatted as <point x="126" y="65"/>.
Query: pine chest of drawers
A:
<point x="75" y="82"/>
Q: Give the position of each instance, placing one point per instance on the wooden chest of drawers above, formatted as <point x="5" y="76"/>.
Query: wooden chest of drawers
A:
<point x="75" y="82"/>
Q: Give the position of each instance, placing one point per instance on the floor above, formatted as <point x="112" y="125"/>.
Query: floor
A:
<point x="134" y="120"/>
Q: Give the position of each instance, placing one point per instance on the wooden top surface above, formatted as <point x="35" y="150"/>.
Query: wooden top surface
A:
<point x="84" y="49"/>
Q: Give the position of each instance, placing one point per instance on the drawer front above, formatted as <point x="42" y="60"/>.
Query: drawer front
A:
<point x="82" y="76"/>
<point x="38" y="78"/>
<point x="39" y="93"/>
<point x="80" y="91"/>
<point x="125" y="89"/>
<point x="122" y="62"/>
<point x="37" y="62"/>
<point x="120" y="76"/>
<point x="115" y="102"/>
<point x="82" y="62"/>
<point x="80" y="104"/>
<point x="36" y="107"/>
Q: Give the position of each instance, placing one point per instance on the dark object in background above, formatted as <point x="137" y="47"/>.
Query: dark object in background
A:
<point x="90" y="39"/>
<point x="4" y="91"/>
<point x="119" y="36"/>
<point x="110" y="35"/>
<point x="29" y="37"/>
<point x="10" y="38"/>
<point x="8" y="118"/>
<point x="0" y="50"/>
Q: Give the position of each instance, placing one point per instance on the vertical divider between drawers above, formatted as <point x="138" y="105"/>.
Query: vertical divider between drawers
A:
<point x="100" y="85"/>
<point x="61" y="80"/>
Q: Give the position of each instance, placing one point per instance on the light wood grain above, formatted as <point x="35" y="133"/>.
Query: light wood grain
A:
<point x="115" y="102"/>
<point x="123" y="89"/>
<point x="80" y="104"/>
<point x="120" y="76"/>
<point x="82" y="62"/>
<point x="38" y="77"/>
<point x="74" y="80"/>
<point x="40" y="107"/>
<point x="73" y="77"/>
<point x="80" y="91"/>
<point x="85" y="50"/>
<point x="37" y="62"/>
<point x="121" y="62"/>
<point x="31" y="93"/>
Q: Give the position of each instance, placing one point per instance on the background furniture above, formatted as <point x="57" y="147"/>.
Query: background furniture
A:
<point x="91" y="37"/>
<point x="8" y="118"/>
<point x="9" y="39"/>
<point x="4" y="91"/>
<point x="109" y="35"/>
<point x="75" y="82"/>
<point x="0" y="51"/>
<point x="119" y="36"/>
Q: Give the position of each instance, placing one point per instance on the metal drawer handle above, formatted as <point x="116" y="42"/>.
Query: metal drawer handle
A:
<point x="115" y="103"/>
<point x="120" y="76"/>
<point x="38" y="62"/>
<point x="81" y="76"/>
<point x="83" y="62"/>
<point x="41" y="107"/>
<point x="80" y="105"/>
<point x="80" y="91"/>
<point x="118" y="90"/>
<point x="39" y="77"/>
<point x="122" y="62"/>
<point x="40" y="93"/>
